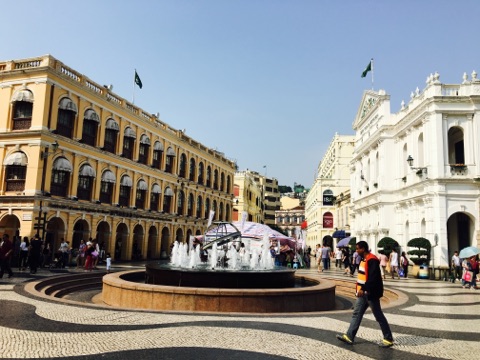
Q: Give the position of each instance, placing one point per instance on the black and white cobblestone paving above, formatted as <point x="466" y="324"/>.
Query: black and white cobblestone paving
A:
<point x="440" y="320"/>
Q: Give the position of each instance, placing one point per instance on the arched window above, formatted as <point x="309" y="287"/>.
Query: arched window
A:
<point x="456" y="150"/>
<point x="22" y="102"/>
<point x="111" y="135"/>
<point x="157" y="155"/>
<point x="167" y="200"/>
<point x="214" y="209"/>
<point x="67" y="111"/>
<point x="199" y="207"/>
<point x="228" y="184"/>
<point x="129" y="137"/>
<point x="144" y="149"/>
<point x="190" y="205"/>
<point x="328" y="198"/>
<point x="86" y="178"/>
<point x="106" y="187"/>
<point x="207" y="208"/>
<point x="201" y="174"/>
<point x="125" y="190"/>
<point x="182" y="171"/>
<point x="327" y="220"/>
<point x="215" y="179"/>
<point x="90" y="127"/>
<point x="220" y="212"/>
<point x="61" y="171"/>
<point x="181" y="202"/>
<point x="191" y="172"/>
<point x="169" y="160"/>
<point x="141" y="194"/>
<point x="15" y="171"/>
<point x="209" y="177"/>
<point x="155" y="197"/>
<point x="222" y="182"/>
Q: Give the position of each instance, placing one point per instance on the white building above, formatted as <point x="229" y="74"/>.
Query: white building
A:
<point x="333" y="178"/>
<point x="437" y="197"/>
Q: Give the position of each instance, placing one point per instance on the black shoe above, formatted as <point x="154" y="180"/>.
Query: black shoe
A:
<point x="10" y="275"/>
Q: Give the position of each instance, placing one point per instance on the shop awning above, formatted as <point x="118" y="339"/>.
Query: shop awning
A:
<point x="87" y="170"/>
<point x="112" y="125"/>
<point x="62" y="164"/>
<point x="23" y="95"/>
<point x="109" y="177"/>
<point x="142" y="185"/>
<point x="339" y="234"/>
<point x="16" y="158"/>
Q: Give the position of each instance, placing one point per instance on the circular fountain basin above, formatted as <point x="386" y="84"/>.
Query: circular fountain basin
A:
<point x="164" y="274"/>
<point x="126" y="290"/>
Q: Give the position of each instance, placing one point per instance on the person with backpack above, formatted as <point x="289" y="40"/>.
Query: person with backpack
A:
<point x="404" y="264"/>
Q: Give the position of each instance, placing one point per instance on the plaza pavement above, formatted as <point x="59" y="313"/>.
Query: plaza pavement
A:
<point x="438" y="320"/>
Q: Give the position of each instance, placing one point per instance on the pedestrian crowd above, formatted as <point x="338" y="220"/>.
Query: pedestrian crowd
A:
<point x="465" y="270"/>
<point x="31" y="254"/>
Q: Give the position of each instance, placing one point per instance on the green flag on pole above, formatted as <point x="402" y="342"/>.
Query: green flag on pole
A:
<point x="367" y="69"/>
<point x="137" y="80"/>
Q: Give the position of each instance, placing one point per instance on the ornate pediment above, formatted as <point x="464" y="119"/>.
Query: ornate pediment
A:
<point x="370" y="101"/>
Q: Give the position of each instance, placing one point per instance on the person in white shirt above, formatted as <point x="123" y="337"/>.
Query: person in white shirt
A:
<point x="338" y="258"/>
<point x="24" y="248"/>
<point x="108" y="260"/>
<point x="457" y="266"/>
<point x="394" y="263"/>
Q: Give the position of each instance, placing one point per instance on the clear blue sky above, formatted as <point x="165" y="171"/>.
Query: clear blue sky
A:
<point x="265" y="82"/>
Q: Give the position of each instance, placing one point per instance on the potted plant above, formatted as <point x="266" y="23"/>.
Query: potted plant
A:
<point x="421" y="254"/>
<point x="388" y="244"/>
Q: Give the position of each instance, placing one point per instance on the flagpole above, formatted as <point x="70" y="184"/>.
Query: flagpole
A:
<point x="371" y="61"/>
<point x="133" y="92"/>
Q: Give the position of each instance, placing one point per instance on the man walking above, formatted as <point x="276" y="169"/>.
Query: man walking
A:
<point x="456" y="266"/>
<point x="369" y="290"/>
<point x="6" y="251"/>
<point x="326" y="257"/>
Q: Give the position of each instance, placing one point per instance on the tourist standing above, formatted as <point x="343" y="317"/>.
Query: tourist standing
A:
<point x="394" y="263"/>
<point x="383" y="263"/>
<point x="325" y="257"/>
<point x="404" y="264"/>
<point x="64" y="250"/>
<point x="23" y="256"/>
<point x="456" y="266"/>
<point x="369" y="290"/>
<point x="338" y="258"/>
<point x="346" y="261"/>
<point x="6" y="252"/>
<point x="108" y="260"/>
<point x="318" y="257"/>
<point x="35" y="251"/>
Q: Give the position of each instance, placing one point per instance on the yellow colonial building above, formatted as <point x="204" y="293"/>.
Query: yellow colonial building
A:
<point x="81" y="162"/>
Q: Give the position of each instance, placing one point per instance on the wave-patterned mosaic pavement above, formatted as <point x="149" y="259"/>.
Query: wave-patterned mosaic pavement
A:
<point x="439" y="320"/>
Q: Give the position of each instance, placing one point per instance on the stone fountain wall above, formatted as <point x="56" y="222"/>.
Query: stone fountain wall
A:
<point x="121" y="290"/>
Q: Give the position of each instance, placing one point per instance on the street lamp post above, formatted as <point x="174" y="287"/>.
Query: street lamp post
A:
<point x="42" y="217"/>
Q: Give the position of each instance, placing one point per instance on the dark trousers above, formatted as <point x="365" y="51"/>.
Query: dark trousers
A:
<point x="458" y="272"/>
<point x="361" y="306"/>
<point x="22" y="262"/>
<point x="326" y="263"/>
<point x="5" y="267"/>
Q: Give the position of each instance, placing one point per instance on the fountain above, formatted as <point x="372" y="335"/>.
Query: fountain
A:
<point x="220" y="275"/>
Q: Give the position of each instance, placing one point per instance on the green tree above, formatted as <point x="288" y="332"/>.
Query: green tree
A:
<point x="387" y="244"/>
<point x="421" y="254"/>
<point x="352" y="244"/>
<point x="283" y="189"/>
